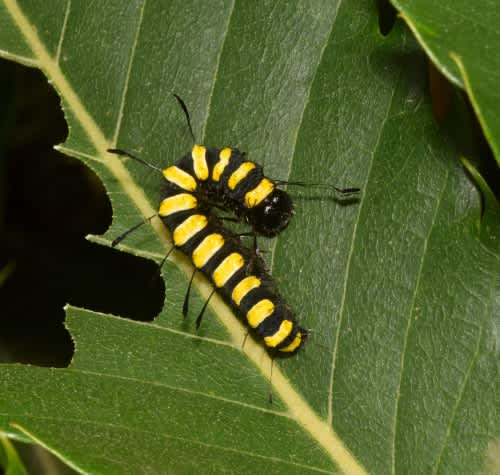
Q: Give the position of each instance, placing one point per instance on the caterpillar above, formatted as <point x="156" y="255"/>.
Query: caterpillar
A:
<point x="211" y="177"/>
<point x="191" y="187"/>
<point x="206" y="174"/>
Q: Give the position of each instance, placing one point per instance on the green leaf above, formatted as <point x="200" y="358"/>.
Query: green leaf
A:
<point x="399" y="290"/>
<point x="9" y="459"/>
<point x="462" y="39"/>
<point x="489" y="222"/>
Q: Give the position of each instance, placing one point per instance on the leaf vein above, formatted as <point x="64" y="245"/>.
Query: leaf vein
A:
<point x="216" y="70"/>
<point x="63" y="32"/>
<point x="459" y="400"/>
<point x="410" y="320"/>
<point x="129" y="70"/>
<point x="349" y="262"/>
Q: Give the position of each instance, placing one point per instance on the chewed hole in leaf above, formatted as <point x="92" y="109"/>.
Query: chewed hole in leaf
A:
<point x="52" y="202"/>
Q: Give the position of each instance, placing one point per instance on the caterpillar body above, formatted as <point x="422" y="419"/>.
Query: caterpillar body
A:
<point x="206" y="177"/>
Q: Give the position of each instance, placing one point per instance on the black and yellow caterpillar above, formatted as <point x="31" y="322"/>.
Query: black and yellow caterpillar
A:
<point x="223" y="176"/>
<point x="208" y="178"/>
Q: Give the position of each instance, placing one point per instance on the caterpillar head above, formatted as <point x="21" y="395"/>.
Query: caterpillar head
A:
<point x="273" y="214"/>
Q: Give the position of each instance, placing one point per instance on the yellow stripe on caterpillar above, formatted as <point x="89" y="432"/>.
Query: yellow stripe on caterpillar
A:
<point x="284" y="330"/>
<point x="180" y="178"/>
<point x="244" y="286"/>
<point x="176" y="203"/>
<point x="189" y="228"/>
<point x="220" y="166"/>
<point x="207" y="249"/>
<point x="297" y="341"/>
<point x="259" y="312"/>
<point x="239" y="174"/>
<point x="226" y="269"/>
<point x="259" y="193"/>
<point x="200" y="166"/>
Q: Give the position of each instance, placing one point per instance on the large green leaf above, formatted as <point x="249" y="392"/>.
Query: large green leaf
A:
<point x="399" y="289"/>
<point x="462" y="38"/>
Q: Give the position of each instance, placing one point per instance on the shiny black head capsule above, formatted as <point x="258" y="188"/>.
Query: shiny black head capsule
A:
<point x="272" y="215"/>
